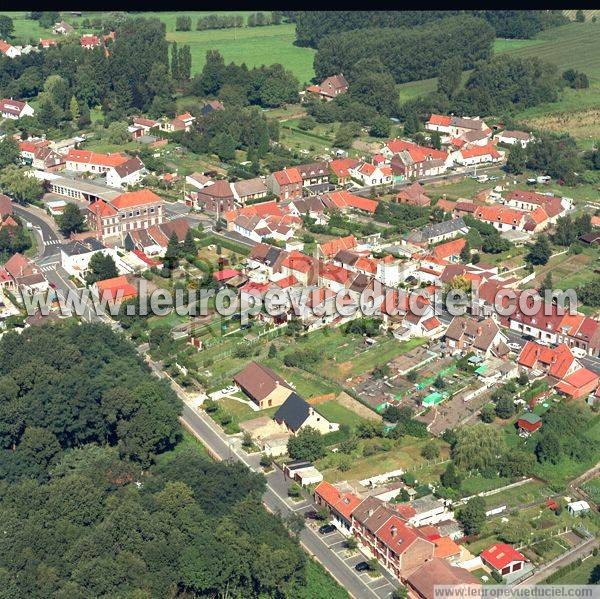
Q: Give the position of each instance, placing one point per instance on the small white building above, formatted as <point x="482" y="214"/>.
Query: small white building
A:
<point x="15" y="109"/>
<point x="512" y="138"/>
<point x="576" y="508"/>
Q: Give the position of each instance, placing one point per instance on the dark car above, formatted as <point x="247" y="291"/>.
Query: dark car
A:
<point x="326" y="529"/>
<point x="528" y="337"/>
<point x="362" y="567"/>
<point x="311" y="514"/>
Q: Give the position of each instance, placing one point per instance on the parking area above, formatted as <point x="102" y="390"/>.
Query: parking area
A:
<point x="381" y="586"/>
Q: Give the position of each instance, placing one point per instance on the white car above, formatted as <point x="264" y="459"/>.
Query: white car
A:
<point x="578" y="352"/>
<point x="514" y="346"/>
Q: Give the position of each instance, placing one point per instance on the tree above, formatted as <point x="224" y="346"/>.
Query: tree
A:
<point x="400" y="593"/>
<point x="472" y="515"/>
<point x="185" y="63"/>
<point x="517" y="159"/>
<point x="308" y="445"/>
<point x="430" y="451"/>
<point x="505" y="407"/>
<point x="174" y="62"/>
<point x="71" y="220"/>
<point x="451" y="478"/>
<point x="272" y="351"/>
<point x="183" y="23"/>
<point x="21" y="187"/>
<point x="540" y="252"/>
<point x="477" y="447"/>
<point x="381" y="127"/>
<point x="488" y="413"/>
<point x="188" y="247"/>
<point x="450" y="75"/>
<point x="411" y="124"/>
<point x="101" y="267"/>
<point x="465" y="253"/>
<point x="548" y="448"/>
<point x="117" y="133"/>
<point x="74" y="110"/>
<point x="9" y="151"/>
<point x="580" y="16"/>
<point x="6" y="27"/>
<point x="171" y="258"/>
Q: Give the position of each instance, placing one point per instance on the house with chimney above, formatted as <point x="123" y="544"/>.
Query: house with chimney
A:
<point x="370" y="174"/>
<point x="295" y="414"/>
<point x="414" y="195"/>
<point x="478" y="154"/>
<point x="409" y="160"/>
<point x="21" y="273"/>
<point x="572" y="379"/>
<point x="482" y="337"/>
<point x="9" y="50"/>
<point x="15" y="109"/>
<point x="263" y="386"/>
<point x="112" y="219"/>
<point x="341" y="169"/>
<point x="315" y="173"/>
<point x="453" y="126"/>
<point x="286" y="184"/>
<point x="329" y="88"/>
<point x="62" y="28"/>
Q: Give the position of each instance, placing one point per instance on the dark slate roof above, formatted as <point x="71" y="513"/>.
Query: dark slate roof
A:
<point x="293" y="412"/>
<point x="435" y="229"/>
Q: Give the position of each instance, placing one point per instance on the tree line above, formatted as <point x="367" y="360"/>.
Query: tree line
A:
<point x="236" y="85"/>
<point x="409" y="53"/>
<point x="313" y="26"/>
<point x="87" y="511"/>
<point x="133" y="73"/>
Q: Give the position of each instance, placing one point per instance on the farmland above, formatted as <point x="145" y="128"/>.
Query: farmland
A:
<point x="253" y="45"/>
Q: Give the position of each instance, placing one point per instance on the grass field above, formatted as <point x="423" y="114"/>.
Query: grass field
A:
<point x="580" y="575"/>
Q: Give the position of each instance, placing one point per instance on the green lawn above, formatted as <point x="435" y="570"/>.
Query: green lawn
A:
<point x="319" y="585"/>
<point x="592" y="488"/>
<point x="523" y="494"/>
<point x="581" y="574"/>
<point x="334" y="412"/>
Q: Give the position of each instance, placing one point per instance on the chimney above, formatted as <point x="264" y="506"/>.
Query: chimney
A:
<point x="479" y="331"/>
<point x="393" y="531"/>
<point x="371" y="510"/>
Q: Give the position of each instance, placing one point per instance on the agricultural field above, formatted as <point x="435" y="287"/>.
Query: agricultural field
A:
<point x="568" y="270"/>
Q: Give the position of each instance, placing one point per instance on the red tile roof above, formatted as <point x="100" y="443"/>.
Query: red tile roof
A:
<point x="558" y="360"/>
<point x="501" y="555"/>
<point x="397" y="535"/>
<point x="500" y="214"/>
<point x="136" y="198"/>
<point x="480" y="151"/>
<point x="345" y="199"/>
<point x="225" y="274"/>
<point x="343" y="503"/>
<point x="331" y="248"/>
<point x="575" y="383"/>
<point x="450" y="248"/>
<point x="288" y="176"/>
<point x="88" y="157"/>
<point x="298" y="261"/>
<point x="440" y="119"/>
<point x="116" y="288"/>
<point x="340" y="167"/>
<point x="417" y="153"/>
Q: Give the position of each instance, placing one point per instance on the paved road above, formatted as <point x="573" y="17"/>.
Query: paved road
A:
<point x="276" y="500"/>
<point x="49" y="238"/>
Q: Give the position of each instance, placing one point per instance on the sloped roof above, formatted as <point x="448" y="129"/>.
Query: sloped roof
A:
<point x="258" y="380"/>
<point x="501" y="555"/>
<point x="293" y="412"/>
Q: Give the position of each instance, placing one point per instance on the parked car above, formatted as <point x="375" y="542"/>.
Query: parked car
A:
<point x="362" y="567"/>
<point x="578" y="352"/>
<point x="326" y="529"/>
<point x="528" y="337"/>
<point x="514" y="346"/>
<point x="311" y="514"/>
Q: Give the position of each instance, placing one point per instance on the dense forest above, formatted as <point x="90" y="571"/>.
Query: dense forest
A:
<point x="313" y="26"/>
<point x="92" y="503"/>
<point x="408" y="53"/>
<point x="131" y="73"/>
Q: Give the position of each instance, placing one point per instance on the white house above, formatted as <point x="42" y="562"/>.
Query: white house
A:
<point x="295" y="414"/>
<point x="128" y="173"/>
<point x="512" y="138"/>
<point x="577" y="508"/>
<point x="9" y="50"/>
<point x="477" y="155"/>
<point x="15" y="109"/>
<point x="371" y="175"/>
<point x="75" y="257"/>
